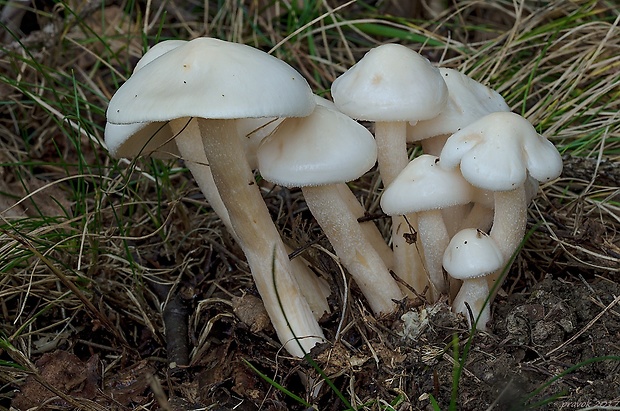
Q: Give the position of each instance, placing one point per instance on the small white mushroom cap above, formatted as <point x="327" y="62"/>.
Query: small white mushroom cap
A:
<point x="254" y="130"/>
<point x="471" y="253"/>
<point x="196" y="80"/>
<point x="468" y="101"/>
<point x="497" y="151"/>
<point x="423" y="185"/>
<point x="326" y="147"/>
<point x="391" y="83"/>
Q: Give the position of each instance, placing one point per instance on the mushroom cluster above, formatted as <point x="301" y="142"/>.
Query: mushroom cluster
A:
<point x="229" y="110"/>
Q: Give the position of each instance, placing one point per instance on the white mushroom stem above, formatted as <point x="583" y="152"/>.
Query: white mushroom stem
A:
<point x="434" y="238"/>
<point x="356" y="253"/>
<point x="314" y="289"/>
<point x="474" y="291"/>
<point x="453" y="217"/>
<point x="189" y="144"/>
<point x="433" y="145"/>
<point x="370" y="229"/>
<point x="258" y="237"/>
<point x="509" y="222"/>
<point x="391" y="138"/>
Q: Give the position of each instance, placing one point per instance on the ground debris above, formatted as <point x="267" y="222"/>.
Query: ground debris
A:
<point x="251" y="311"/>
<point x="64" y="372"/>
<point x="130" y="385"/>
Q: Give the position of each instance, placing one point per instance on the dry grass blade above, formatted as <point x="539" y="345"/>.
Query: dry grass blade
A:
<point x="96" y="313"/>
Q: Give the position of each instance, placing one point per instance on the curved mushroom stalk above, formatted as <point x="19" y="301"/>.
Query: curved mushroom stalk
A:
<point x="191" y="149"/>
<point x="289" y="311"/>
<point x="370" y="229"/>
<point x="351" y="245"/>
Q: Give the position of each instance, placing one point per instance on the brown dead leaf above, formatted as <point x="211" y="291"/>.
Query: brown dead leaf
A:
<point x="247" y="382"/>
<point x="251" y="311"/>
<point x="130" y="384"/>
<point x="63" y="371"/>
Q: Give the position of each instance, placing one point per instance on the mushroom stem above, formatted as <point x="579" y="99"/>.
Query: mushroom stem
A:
<point x="370" y="229"/>
<point x="392" y="158"/>
<point x="291" y="315"/>
<point x="433" y="145"/>
<point x="474" y="291"/>
<point x="187" y="140"/>
<point x="391" y="138"/>
<point x="434" y="238"/>
<point x="352" y="247"/>
<point x="509" y="224"/>
<point x="479" y="216"/>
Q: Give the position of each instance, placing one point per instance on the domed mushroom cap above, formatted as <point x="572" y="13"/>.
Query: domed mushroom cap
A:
<point x="423" y="186"/>
<point x="468" y="101"/>
<point x="497" y="151"/>
<point x="211" y="78"/>
<point x="254" y="130"/>
<point x="326" y="147"/>
<point x="391" y="83"/>
<point x="470" y="254"/>
<point x="158" y="50"/>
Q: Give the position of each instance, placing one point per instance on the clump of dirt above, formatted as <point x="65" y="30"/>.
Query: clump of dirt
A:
<point x="61" y="376"/>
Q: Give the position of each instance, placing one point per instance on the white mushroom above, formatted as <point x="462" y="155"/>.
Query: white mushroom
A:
<point x="468" y="101"/>
<point x="216" y="82"/>
<point x="495" y="153"/>
<point x="393" y="85"/>
<point x="470" y="256"/>
<point x="425" y="188"/>
<point x="318" y="153"/>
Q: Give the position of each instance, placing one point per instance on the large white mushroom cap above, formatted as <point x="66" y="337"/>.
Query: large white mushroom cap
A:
<point x="497" y="151"/>
<point x="144" y="138"/>
<point x="211" y="78"/>
<point x="326" y="147"/>
<point x="158" y="50"/>
<point x="423" y="185"/>
<point x="471" y="253"/>
<point x="468" y="101"/>
<point x="391" y="83"/>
